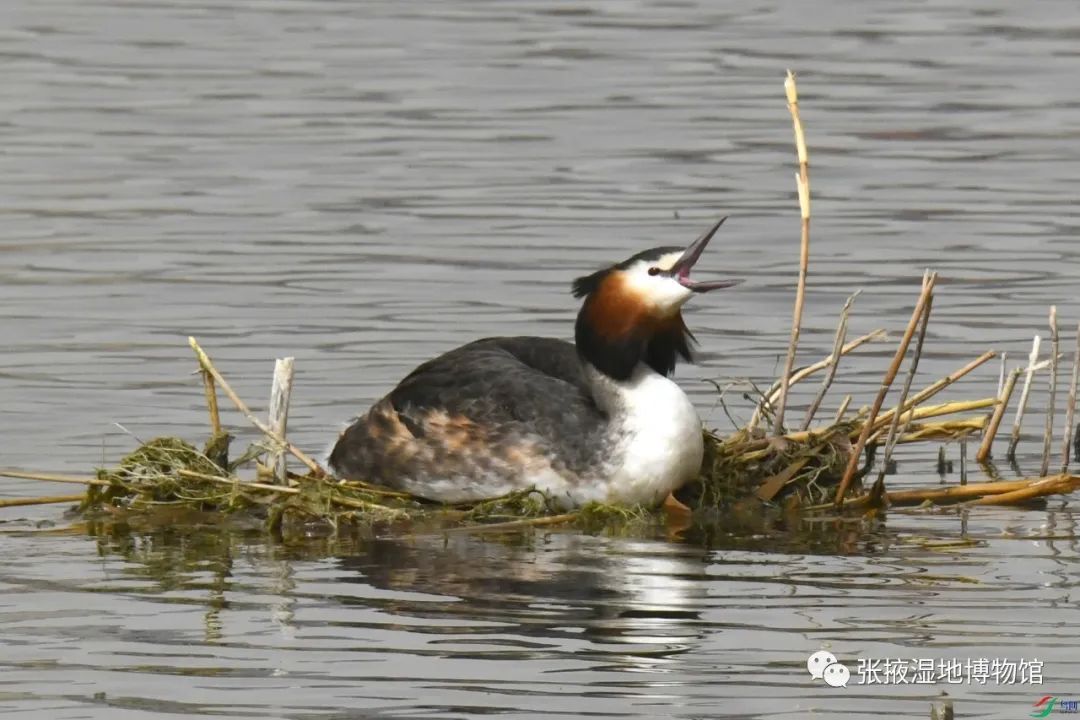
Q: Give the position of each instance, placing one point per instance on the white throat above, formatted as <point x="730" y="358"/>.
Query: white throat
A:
<point x="654" y="436"/>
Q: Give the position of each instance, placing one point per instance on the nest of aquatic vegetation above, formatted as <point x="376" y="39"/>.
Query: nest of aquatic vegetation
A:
<point x="795" y="471"/>
<point x="801" y="473"/>
<point x="167" y="473"/>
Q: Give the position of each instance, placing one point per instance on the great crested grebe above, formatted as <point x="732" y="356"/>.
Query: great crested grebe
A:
<point x="594" y="420"/>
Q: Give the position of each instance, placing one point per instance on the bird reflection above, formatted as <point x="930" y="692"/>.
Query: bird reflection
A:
<point x="643" y="596"/>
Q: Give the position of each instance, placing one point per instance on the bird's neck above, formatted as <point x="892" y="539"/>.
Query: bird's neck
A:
<point x="622" y="345"/>
<point x="620" y="397"/>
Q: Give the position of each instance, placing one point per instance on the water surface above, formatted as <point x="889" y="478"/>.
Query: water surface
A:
<point x="362" y="185"/>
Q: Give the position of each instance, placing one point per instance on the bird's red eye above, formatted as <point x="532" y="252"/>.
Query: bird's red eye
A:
<point x="654" y="271"/>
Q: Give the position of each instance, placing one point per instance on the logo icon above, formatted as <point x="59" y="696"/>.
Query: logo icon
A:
<point x="837" y="675"/>
<point x="822" y="665"/>
<point x="1044" y="706"/>
<point x="818" y="662"/>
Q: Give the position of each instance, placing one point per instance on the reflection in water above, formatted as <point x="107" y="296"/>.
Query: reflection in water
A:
<point x="644" y="596"/>
<point x="557" y="586"/>
<point x="551" y="623"/>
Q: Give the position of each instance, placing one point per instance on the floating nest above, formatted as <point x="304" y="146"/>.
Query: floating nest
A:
<point x="168" y="474"/>
<point x="745" y="472"/>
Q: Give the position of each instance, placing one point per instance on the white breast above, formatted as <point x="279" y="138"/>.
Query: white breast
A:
<point x="656" y="435"/>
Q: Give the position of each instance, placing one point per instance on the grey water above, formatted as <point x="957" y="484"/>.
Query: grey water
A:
<point x="363" y="185"/>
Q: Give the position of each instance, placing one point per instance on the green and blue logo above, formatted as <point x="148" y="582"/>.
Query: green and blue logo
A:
<point x="1048" y="703"/>
<point x="1044" y="706"/>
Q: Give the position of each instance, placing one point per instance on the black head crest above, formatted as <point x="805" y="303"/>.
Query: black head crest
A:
<point x="588" y="284"/>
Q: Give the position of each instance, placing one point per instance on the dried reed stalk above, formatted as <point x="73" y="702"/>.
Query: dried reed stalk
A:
<point x="890" y="439"/>
<point x="1070" y="413"/>
<point x="211" y="401"/>
<point x="1018" y="421"/>
<point x="801" y="374"/>
<point x="929" y="411"/>
<point x="512" y="525"/>
<point x="802" y="181"/>
<point x="1002" y="373"/>
<point x="204" y="361"/>
<point x="366" y="505"/>
<point x="833" y="360"/>
<point x="52" y="477"/>
<point x="933" y="389"/>
<point x="1053" y="485"/>
<point x="840" y="411"/>
<point x="237" y="482"/>
<point x="43" y="500"/>
<point x="1048" y="434"/>
<point x="747" y="448"/>
<point x="949" y="408"/>
<point x="946" y="430"/>
<point x="278" y="415"/>
<point x="886" y="383"/>
<point x="1005" y="394"/>
<point x="1001" y="488"/>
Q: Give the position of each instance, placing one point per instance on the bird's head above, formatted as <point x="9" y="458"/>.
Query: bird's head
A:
<point x="631" y="312"/>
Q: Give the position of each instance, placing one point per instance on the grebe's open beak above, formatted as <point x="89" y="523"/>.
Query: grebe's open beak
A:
<point x="681" y="269"/>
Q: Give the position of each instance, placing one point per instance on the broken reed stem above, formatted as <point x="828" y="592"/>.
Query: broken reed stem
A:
<point x="886" y="383"/>
<point x="366" y="505"/>
<point x="928" y="411"/>
<point x="43" y="500"/>
<point x="944" y="431"/>
<point x="840" y="411"/>
<point x="1002" y="373"/>
<point x="1053" y="485"/>
<point x="1018" y="421"/>
<point x="833" y="359"/>
<point x="376" y="489"/>
<point x="211" y="401"/>
<point x="934" y="388"/>
<point x="1070" y="413"/>
<point x="773" y="394"/>
<point x="802" y="181"/>
<point x="956" y="492"/>
<point x="237" y="482"/>
<point x="52" y="477"/>
<point x="204" y="361"/>
<point x="1048" y="433"/>
<point x="999" y="412"/>
<point x="514" y="524"/>
<point x="278" y="415"/>
<point x="894" y="426"/>
<point x="951" y="408"/>
<point x="920" y="413"/>
<point x="803" y="373"/>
